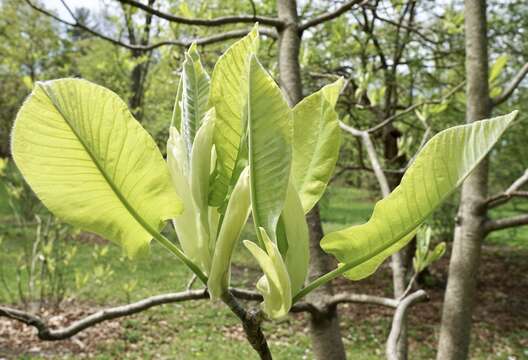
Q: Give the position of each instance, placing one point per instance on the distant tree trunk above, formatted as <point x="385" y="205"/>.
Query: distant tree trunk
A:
<point x="139" y="73"/>
<point x="469" y="234"/>
<point x="326" y="335"/>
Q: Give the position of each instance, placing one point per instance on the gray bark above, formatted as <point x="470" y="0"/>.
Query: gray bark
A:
<point x="469" y="231"/>
<point x="324" y="325"/>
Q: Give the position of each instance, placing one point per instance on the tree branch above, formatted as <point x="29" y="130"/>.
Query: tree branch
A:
<point x="331" y="14"/>
<point x="390" y="119"/>
<point x="251" y="322"/>
<point x="343" y="298"/>
<point x="511" y="192"/>
<point x="500" y="224"/>
<point x="46" y="333"/>
<point x="398" y="320"/>
<point x="233" y="34"/>
<point x="225" y="20"/>
<point x="373" y="156"/>
<point x="508" y="91"/>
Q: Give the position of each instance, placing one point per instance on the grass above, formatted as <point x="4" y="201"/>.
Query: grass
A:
<point x="204" y="329"/>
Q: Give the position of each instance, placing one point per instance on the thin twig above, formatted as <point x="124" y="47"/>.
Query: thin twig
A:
<point x="232" y="34"/>
<point x="510" y="192"/>
<point x="331" y="14"/>
<point x="225" y="20"/>
<point x="398" y="320"/>
<point x="508" y="91"/>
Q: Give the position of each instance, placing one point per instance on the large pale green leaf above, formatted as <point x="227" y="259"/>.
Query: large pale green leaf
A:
<point x="275" y="285"/>
<point x="235" y="218"/>
<point x="194" y="96"/>
<point x="316" y="141"/>
<point x="92" y="164"/>
<point x="439" y="168"/>
<point x="228" y="96"/>
<point x="296" y="231"/>
<point x="269" y="134"/>
<point x="191" y="233"/>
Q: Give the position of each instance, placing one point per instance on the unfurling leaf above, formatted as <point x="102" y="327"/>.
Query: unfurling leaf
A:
<point x="229" y="95"/>
<point x="274" y="285"/>
<point x="92" y="164"/>
<point x="297" y="256"/>
<point x="269" y="135"/>
<point x="423" y="256"/>
<point x="191" y="234"/>
<point x="446" y="160"/>
<point x="235" y="218"/>
<point x="194" y="96"/>
<point x="316" y="141"/>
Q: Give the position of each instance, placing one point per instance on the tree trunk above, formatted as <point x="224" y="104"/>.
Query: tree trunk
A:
<point x="469" y="234"/>
<point x="324" y="325"/>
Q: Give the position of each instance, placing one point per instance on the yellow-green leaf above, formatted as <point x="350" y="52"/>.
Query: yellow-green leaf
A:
<point x="235" y="218"/>
<point x="296" y="230"/>
<point x="229" y="96"/>
<point x="316" y="141"/>
<point x="441" y="166"/>
<point x="92" y="164"/>
<point x="194" y="96"/>
<point x="274" y="285"/>
<point x="269" y="140"/>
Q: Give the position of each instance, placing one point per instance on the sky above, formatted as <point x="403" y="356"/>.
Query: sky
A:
<point x="94" y="5"/>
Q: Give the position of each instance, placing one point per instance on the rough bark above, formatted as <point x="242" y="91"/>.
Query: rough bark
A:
<point x="469" y="230"/>
<point x="324" y="325"/>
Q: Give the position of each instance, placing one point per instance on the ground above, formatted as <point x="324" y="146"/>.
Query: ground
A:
<point x="205" y="330"/>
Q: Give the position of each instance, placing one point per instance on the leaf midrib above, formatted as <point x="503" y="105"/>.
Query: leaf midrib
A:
<point x="101" y="170"/>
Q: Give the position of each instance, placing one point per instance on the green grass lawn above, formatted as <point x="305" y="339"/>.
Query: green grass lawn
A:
<point x="204" y="329"/>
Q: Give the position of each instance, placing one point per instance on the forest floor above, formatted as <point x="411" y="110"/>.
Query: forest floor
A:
<point x="205" y="330"/>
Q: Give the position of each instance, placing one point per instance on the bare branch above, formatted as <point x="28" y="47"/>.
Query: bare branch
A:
<point x="398" y="320"/>
<point x="225" y="20"/>
<point x="343" y="298"/>
<point x="511" y="192"/>
<point x="233" y="34"/>
<point x="508" y="91"/>
<point x="500" y="224"/>
<point x="46" y="333"/>
<point x="331" y="14"/>
<point x="373" y="156"/>
<point x="390" y="119"/>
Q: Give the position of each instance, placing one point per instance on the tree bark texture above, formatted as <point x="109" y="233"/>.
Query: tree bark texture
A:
<point x="324" y="325"/>
<point x="469" y="230"/>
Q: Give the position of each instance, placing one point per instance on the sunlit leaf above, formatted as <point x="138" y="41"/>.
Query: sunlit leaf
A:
<point x="92" y="164"/>
<point x="441" y="166"/>
<point x="229" y="96"/>
<point x="194" y="96"/>
<point x="274" y="285"/>
<point x="316" y="141"/>
<point x="296" y="232"/>
<point x="269" y="134"/>
<point x="234" y="220"/>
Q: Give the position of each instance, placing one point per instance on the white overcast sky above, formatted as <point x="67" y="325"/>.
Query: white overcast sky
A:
<point x="94" y="5"/>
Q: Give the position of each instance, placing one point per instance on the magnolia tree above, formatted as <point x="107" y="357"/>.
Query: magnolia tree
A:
<point x="235" y="148"/>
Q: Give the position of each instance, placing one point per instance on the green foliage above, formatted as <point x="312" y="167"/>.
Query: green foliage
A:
<point x="99" y="170"/>
<point x="228" y="96"/>
<point x="439" y="168"/>
<point x="316" y="142"/>
<point x="423" y="256"/>
<point x="96" y="167"/>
